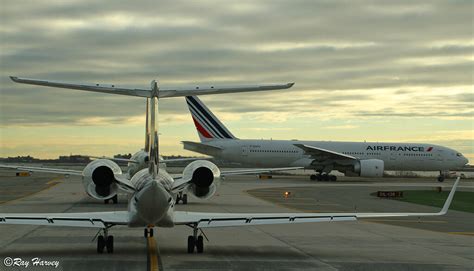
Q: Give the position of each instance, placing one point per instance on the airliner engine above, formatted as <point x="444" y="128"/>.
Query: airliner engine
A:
<point x="204" y="178"/>
<point x="99" y="180"/>
<point x="369" y="168"/>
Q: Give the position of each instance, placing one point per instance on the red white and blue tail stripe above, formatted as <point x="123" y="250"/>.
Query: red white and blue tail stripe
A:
<point x="207" y="124"/>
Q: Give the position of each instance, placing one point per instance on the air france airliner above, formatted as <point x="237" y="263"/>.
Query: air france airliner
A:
<point x="365" y="159"/>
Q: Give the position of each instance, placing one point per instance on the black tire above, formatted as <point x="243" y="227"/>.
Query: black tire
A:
<point x="440" y="179"/>
<point x="178" y="198"/>
<point x="325" y="177"/>
<point x="319" y="178"/>
<point x="145" y="233"/>
<point x="100" y="244"/>
<point x="185" y="199"/>
<point x="200" y="244"/>
<point x="110" y="244"/>
<point x="115" y="199"/>
<point x="191" y="244"/>
<point x="313" y="177"/>
<point x="150" y="232"/>
<point x="106" y="201"/>
<point x="332" y="178"/>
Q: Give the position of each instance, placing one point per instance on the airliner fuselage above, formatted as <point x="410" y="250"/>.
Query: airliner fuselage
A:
<point x="396" y="156"/>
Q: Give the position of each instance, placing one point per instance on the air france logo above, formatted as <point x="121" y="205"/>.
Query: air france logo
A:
<point x="398" y="148"/>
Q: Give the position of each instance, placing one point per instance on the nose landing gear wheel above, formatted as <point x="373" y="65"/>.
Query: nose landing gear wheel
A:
<point x="148" y="232"/>
<point x="185" y="199"/>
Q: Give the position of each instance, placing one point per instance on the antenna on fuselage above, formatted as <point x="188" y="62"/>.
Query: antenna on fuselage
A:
<point x="153" y="148"/>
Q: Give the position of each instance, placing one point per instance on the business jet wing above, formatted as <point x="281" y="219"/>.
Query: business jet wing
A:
<point x="139" y="92"/>
<point x="209" y="220"/>
<point x="43" y="169"/>
<point x="180" y="184"/>
<point x="88" y="220"/>
<point x="323" y="154"/>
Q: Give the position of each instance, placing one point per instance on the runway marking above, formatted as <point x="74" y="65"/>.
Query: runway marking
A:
<point x="462" y="233"/>
<point x="152" y="254"/>
<point x="50" y="184"/>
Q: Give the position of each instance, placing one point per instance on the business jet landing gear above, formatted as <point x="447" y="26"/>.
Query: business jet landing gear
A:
<point x="148" y="232"/>
<point x="105" y="241"/>
<point x="114" y="199"/>
<point x="182" y="197"/>
<point x="323" y="177"/>
<point x="195" y="241"/>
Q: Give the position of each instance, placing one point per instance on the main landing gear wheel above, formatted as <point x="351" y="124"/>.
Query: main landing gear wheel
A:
<point x="182" y="197"/>
<point x="195" y="241"/>
<point x="148" y="232"/>
<point x="109" y="243"/>
<point x="105" y="241"/>
<point x="200" y="244"/>
<point x="441" y="178"/>
<point x="100" y="244"/>
<point x="313" y="177"/>
<point x="191" y="244"/>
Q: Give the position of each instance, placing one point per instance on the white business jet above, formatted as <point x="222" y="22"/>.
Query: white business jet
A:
<point x="152" y="201"/>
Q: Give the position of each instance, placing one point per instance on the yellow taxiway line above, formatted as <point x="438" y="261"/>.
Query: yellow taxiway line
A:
<point x="152" y="254"/>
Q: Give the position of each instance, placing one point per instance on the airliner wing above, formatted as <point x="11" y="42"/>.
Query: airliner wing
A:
<point x="43" y="169"/>
<point x="88" y="220"/>
<point x="180" y="184"/>
<point x="177" y="160"/>
<point x="122" y="180"/>
<point x="226" y="173"/>
<point x="163" y="93"/>
<point x="324" y="154"/>
<point x="209" y="220"/>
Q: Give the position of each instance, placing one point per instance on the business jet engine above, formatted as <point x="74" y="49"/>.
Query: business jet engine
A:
<point x="99" y="180"/>
<point x="369" y="168"/>
<point x="203" y="178"/>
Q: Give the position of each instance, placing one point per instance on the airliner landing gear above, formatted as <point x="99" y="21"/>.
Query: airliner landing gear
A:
<point x="441" y="178"/>
<point x="323" y="177"/>
<point x="114" y="199"/>
<point x="182" y="197"/>
<point x="105" y="241"/>
<point x="195" y="241"/>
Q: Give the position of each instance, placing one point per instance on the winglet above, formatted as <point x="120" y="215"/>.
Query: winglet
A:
<point x="450" y="197"/>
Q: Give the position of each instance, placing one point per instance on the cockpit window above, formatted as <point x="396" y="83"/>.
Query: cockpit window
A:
<point x="458" y="154"/>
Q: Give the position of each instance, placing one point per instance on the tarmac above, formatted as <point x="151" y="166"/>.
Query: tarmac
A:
<point x="436" y="243"/>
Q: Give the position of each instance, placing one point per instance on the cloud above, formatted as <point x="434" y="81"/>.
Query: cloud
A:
<point x="350" y="61"/>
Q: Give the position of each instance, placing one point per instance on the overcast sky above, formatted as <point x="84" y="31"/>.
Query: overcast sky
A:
<point x="364" y="70"/>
